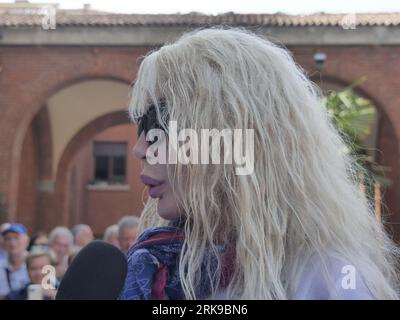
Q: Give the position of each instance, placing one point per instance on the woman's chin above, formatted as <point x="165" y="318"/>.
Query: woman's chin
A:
<point x="166" y="209"/>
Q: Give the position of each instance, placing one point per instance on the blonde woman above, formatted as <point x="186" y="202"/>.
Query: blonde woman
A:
<point x="295" y="226"/>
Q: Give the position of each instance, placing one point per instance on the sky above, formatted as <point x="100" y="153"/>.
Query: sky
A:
<point x="237" y="6"/>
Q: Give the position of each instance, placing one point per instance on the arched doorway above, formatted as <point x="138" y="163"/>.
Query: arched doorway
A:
<point x="69" y="119"/>
<point x="383" y="147"/>
<point x="82" y="199"/>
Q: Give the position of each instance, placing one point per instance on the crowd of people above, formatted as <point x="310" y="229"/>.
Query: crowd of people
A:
<point x="24" y="258"/>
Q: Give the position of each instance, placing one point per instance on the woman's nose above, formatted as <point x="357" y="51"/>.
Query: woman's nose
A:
<point x="139" y="150"/>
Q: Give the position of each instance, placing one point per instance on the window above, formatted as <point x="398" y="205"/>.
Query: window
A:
<point x="110" y="162"/>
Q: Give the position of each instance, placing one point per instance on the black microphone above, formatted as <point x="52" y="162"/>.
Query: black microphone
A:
<point x="97" y="273"/>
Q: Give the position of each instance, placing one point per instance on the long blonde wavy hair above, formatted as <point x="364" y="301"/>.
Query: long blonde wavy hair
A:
<point x="303" y="197"/>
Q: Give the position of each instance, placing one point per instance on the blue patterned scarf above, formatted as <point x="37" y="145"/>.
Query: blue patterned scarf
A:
<point x="153" y="267"/>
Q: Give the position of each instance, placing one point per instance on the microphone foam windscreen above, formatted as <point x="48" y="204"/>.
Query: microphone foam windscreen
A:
<point x="97" y="273"/>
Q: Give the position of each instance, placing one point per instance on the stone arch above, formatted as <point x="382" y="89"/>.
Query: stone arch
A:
<point x="48" y="71"/>
<point x="35" y="170"/>
<point x="27" y="120"/>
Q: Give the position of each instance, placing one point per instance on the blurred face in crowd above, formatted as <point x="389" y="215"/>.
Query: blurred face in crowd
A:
<point x="15" y="243"/>
<point x="41" y="241"/>
<point x="84" y="236"/>
<point x="127" y="236"/>
<point x="35" y="267"/>
<point x="61" y="246"/>
<point x="113" y="239"/>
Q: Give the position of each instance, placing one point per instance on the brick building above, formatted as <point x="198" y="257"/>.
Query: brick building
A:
<point x="65" y="153"/>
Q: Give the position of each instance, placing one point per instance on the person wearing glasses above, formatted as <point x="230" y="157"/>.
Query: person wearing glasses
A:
<point x="296" y="226"/>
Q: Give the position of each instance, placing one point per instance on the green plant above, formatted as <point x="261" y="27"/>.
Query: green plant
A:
<point x="354" y="116"/>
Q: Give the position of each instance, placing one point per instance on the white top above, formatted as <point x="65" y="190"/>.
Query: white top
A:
<point x="344" y="282"/>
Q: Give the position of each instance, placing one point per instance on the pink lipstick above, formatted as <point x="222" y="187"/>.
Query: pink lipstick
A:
<point x="155" y="186"/>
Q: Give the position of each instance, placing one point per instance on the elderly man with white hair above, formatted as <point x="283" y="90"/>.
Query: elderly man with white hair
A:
<point x="61" y="242"/>
<point x="127" y="232"/>
<point x="111" y="235"/>
<point x="83" y="235"/>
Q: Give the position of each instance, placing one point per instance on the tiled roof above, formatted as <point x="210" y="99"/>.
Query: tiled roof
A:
<point x="95" y="18"/>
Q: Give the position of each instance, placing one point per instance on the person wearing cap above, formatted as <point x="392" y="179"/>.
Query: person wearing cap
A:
<point x="14" y="274"/>
<point x="3" y="254"/>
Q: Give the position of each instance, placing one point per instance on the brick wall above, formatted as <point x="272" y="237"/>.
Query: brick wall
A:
<point x="30" y="75"/>
<point x="101" y="208"/>
<point x="28" y="179"/>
